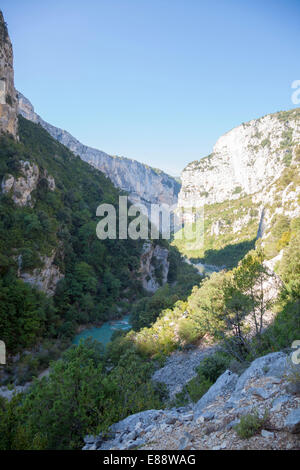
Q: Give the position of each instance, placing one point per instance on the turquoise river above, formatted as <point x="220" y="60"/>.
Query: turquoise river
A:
<point x="104" y="332"/>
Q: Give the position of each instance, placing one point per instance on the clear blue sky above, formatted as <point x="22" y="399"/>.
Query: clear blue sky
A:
<point x="154" y="80"/>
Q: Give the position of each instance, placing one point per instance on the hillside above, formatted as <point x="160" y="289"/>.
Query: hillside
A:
<point x="48" y="219"/>
<point x="143" y="183"/>
<point x="255" y="410"/>
<point x="226" y="388"/>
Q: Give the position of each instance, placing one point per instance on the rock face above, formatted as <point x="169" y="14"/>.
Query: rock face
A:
<point x="8" y="99"/>
<point x="44" y="278"/>
<point x="210" y="423"/>
<point x="154" y="266"/>
<point x="143" y="183"/>
<point x="21" y="188"/>
<point x="293" y="421"/>
<point x="244" y="160"/>
<point x="226" y="383"/>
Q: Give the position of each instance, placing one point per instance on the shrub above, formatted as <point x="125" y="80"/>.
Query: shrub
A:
<point x="237" y="190"/>
<point x="197" y="387"/>
<point x="212" y="367"/>
<point x="187" y="331"/>
<point x="250" y="425"/>
<point x="208" y="372"/>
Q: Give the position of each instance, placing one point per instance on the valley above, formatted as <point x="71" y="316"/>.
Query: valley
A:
<point x="122" y="343"/>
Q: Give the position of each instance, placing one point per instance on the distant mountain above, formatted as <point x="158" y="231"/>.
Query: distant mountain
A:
<point x="143" y="183"/>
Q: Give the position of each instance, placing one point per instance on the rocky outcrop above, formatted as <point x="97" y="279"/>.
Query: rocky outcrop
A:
<point x="44" y="278"/>
<point x="8" y="99"/>
<point x="154" y="266"/>
<point x="210" y="423"/>
<point x="244" y="160"/>
<point x="180" y="368"/>
<point x="9" y="393"/>
<point x="21" y="188"/>
<point x="143" y="183"/>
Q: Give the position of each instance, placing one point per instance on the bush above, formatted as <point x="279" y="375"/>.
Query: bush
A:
<point x="250" y="425"/>
<point x="197" y="387"/>
<point x="212" y="367"/>
<point x="207" y="373"/>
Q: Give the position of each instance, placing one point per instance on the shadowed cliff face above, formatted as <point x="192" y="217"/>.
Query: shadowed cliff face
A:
<point x="143" y="183"/>
<point x="8" y="101"/>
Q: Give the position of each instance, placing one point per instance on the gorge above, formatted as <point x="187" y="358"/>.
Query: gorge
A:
<point x="196" y="357"/>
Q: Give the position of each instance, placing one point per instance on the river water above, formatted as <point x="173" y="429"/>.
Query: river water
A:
<point x="104" y="332"/>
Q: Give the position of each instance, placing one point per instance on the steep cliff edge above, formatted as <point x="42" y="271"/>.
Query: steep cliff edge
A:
<point x="8" y="100"/>
<point x="244" y="160"/>
<point x="249" y="187"/>
<point x="143" y="183"/>
<point x="154" y="266"/>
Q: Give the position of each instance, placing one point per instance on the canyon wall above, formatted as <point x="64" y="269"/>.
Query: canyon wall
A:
<point x="8" y="100"/>
<point x="143" y="183"/>
<point x="244" y="161"/>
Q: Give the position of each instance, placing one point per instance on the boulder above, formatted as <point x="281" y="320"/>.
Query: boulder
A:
<point x="225" y="384"/>
<point x="145" y="417"/>
<point x="271" y="365"/>
<point x="278" y="402"/>
<point x="89" y="439"/>
<point x="292" y="422"/>
<point x="263" y="393"/>
<point x="267" y="434"/>
<point x="208" y="415"/>
<point x="134" y="444"/>
<point x="171" y="420"/>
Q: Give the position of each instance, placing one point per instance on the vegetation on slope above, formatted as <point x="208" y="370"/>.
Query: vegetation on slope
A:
<point x="88" y="390"/>
<point x="96" y="272"/>
<point x="223" y="244"/>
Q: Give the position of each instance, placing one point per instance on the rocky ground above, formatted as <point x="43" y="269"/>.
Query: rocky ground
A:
<point x="180" y="368"/>
<point x="264" y="388"/>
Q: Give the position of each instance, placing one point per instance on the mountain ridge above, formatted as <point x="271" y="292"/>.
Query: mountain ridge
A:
<point x="244" y="160"/>
<point x="143" y="183"/>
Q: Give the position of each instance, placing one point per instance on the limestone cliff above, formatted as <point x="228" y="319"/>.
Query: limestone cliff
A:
<point x="244" y="160"/>
<point x="21" y="188"/>
<point x="154" y="266"/>
<point x="8" y="100"/>
<point x="249" y="187"/>
<point x="44" y="278"/>
<point x="143" y="183"/>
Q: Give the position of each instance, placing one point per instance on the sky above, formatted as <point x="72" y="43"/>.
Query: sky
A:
<point x="154" y="80"/>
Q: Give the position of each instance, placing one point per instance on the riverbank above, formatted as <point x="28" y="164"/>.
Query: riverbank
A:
<point x="104" y="332"/>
